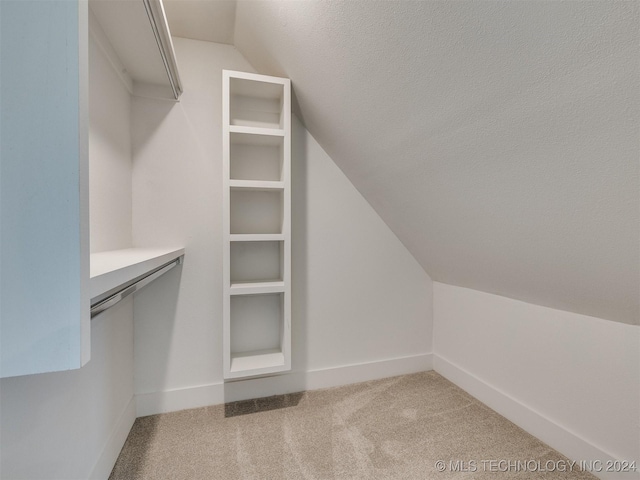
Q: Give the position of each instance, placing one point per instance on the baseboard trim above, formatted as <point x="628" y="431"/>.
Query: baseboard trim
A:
<point x="112" y="448"/>
<point x="217" y="393"/>
<point x="563" y="440"/>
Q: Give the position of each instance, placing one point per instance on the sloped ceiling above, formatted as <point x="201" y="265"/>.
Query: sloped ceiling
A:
<point x="498" y="140"/>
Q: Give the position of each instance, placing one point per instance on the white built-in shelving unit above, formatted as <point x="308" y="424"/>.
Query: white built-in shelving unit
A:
<point x="257" y="224"/>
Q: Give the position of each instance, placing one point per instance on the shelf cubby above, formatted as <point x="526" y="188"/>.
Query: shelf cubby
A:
<point x="256" y="211"/>
<point x="256" y="262"/>
<point x="256" y="157"/>
<point x="256" y="267"/>
<point x="257" y="332"/>
<point x="256" y="103"/>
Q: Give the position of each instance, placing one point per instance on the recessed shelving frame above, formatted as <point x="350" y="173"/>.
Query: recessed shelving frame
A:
<point x="256" y="224"/>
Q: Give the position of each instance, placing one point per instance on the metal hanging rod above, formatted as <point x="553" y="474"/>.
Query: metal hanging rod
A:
<point x="117" y="297"/>
<point x="157" y="18"/>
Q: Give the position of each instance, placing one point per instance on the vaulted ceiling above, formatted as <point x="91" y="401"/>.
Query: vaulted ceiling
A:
<point x="498" y="140"/>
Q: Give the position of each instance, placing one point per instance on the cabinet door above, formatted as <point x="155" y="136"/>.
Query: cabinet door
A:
<point x="44" y="254"/>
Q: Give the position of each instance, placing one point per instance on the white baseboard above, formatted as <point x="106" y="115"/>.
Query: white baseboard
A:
<point x="107" y="460"/>
<point x="217" y="393"/>
<point x="563" y="440"/>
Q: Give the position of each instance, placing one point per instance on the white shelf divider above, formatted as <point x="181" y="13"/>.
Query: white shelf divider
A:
<point x="258" y="363"/>
<point x="256" y="288"/>
<point x="272" y="132"/>
<point x="259" y="185"/>
<point x="256" y="237"/>
<point x="266" y="101"/>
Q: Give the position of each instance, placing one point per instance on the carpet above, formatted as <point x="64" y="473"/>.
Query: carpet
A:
<point x="418" y="426"/>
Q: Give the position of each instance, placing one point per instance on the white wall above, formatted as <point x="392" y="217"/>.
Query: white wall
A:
<point x="358" y="295"/>
<point x="57" y="425"/>
<point x="571" y="380"/>
<point x="110" y="156"/>
<point x="69" y="424"/>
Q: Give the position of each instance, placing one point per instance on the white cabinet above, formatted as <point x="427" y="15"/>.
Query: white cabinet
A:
<point x="44" y="244"/>
<point x="45" y="285"/>
<point x="257" y="224"/>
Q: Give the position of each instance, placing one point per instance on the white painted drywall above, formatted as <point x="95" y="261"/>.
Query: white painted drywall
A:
<point x="71" y="425"/>
<point x="498" y="140"/>
<point x="110" y="156"/>
<point x="57" y="425"/>
<point x="44" y="240"/>
<point x="580" y="373"/>
<point x="358" y="295"/>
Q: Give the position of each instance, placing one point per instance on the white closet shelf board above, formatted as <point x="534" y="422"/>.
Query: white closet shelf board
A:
<point x="256" y="185"/>
<point x="258" y="363"/>
<point x="256" y="135"/>
<point x="256" y="288"/>
<point x="112" y="269"/>
<point x="256" y="237"/>
<point x="135" y="37"/>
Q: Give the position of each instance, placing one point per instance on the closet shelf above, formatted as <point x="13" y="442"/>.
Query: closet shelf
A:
<point x="113" y="270"/>
<point x="255" y="288"/>
<point x="244" y="135"/>
<point x="260" y="362"/>
<point x="274" y="132"/>
<point x="256" y="237"/>
<point x="256" y="185"/>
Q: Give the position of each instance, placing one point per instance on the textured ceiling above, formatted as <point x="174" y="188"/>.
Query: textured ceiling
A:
<point x="499" y="140"/>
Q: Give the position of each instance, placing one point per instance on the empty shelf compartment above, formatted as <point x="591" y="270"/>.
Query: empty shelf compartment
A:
<point x="257" y="323"/>
<point x="255" y="211"/>
<point x="256" y="157"/>
<point x="256" y="261"/>
<point x="256" y="104"/>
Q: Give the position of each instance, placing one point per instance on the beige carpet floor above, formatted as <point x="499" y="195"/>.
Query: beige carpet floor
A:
<point x="396" y="428"/>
